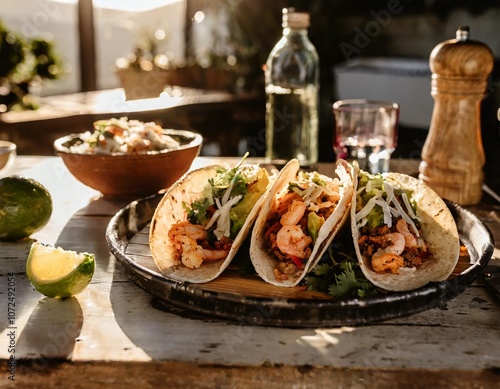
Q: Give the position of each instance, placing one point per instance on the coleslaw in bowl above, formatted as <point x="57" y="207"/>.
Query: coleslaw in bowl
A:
<point x="118" y="165"/>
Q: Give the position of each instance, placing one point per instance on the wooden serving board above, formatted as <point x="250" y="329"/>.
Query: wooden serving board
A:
<point x="234" y="294"/>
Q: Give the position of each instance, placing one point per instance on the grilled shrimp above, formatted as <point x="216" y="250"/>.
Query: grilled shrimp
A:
<point x="402" y="227"/>
<point x="294" y="214"/>
<point x="387" y="263"/>
<point x="184" y="237"/>
<point x="214" y="255"/>
<point x="391" y="243"/>
<point x="191" y="252"/>
<point x="281" y="204"/>
<point x="291" y="240"/>
<point x="387" y="258"/>
<point x="194" y="231"/>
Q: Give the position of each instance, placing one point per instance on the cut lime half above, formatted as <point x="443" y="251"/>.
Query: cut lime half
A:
<point x="56" y="272"/>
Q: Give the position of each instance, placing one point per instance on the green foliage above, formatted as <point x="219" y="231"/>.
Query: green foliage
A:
<point x="22" y="63"/>
<point x="338" y="273"/>
<point x="236" y="180"/>
<point x="221" y="182"/>
<point x="197" y="214"/>
<point x="350" y="283"/>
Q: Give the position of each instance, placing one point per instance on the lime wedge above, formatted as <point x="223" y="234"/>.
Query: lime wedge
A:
<point x="56" y="272"/>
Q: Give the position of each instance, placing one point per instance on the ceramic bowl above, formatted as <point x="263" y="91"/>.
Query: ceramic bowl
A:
<point x="131" y="175"/>
<point x="8" y="151"/>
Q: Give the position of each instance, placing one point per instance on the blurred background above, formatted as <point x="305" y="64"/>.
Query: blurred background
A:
<point x="367" y="49"/>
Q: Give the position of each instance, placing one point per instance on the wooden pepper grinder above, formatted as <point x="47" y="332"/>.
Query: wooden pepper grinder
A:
<point x="453" y="155"/>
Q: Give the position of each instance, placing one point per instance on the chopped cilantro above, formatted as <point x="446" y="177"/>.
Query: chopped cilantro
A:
<point x="223" y="180"/>
<point x="197" y="214"/>
<point x="338" y="273"/>
<point x="349" y="283"/>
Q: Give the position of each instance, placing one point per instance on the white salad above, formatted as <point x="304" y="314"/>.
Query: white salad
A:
<point x="124" y="136"/>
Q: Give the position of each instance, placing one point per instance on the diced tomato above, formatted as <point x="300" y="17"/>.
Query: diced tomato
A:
<point x="297" y="261"/>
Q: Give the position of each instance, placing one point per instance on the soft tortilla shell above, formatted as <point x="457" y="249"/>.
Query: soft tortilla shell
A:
<point x="439" y="230"/>
<point x="170" y="211"/>
<point x="263" y="262"/>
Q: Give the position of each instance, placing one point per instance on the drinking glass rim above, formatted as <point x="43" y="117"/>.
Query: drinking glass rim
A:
<point x="9" y="146"/>
<point x="351" y="104"/>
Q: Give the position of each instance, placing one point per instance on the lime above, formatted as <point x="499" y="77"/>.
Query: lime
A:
<point x="56" y="272"/>
<point x="25" y="207"/>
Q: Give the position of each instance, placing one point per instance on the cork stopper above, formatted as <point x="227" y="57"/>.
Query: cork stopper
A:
<point x="293" y="19"/>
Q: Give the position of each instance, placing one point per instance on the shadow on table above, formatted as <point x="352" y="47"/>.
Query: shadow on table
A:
<point x="17" y="289"/>
<point x="51" y="331"/>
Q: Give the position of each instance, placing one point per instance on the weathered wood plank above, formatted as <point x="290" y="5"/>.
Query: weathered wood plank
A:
<point x="112" y="375"/>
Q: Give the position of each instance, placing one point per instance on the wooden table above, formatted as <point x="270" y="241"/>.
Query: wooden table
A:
<point x="110" y="335"/>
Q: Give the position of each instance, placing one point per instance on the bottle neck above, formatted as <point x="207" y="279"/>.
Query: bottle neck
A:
<point x="287" y="31"/>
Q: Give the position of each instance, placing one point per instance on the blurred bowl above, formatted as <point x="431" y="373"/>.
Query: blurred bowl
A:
<point x="8" y="151"/>
<point x="131" y="175"/>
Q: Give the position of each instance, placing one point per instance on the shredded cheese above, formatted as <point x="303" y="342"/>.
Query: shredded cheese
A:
<point x="361" y="189"/>
<point x="385" y="204"/>
<point x="387" y="210"/>
<point x="313" y="194"/>
<point x="389" y="189"/>
<point x="213" y="219"/>
<point x="227" y="193"/>
<point x="408" y="207"/>
<point x="406" y="217"/>
<point x="316" y="207"/>
<point x="224" y="221"/>
<point x="365" y="211"/>
<point x="369" y="186"/>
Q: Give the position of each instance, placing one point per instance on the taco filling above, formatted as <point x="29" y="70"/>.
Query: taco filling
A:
<point x="295" y="218"/>
<point x="390" y="234"/>
<point x="216" y="217"/>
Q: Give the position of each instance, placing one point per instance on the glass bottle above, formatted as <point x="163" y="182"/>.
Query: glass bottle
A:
<point x="292" y="83"/>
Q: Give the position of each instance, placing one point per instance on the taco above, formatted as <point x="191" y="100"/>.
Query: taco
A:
<point x="203" y="219"/>
<point x="298" y="221"/>
<point x="404" y="234"/>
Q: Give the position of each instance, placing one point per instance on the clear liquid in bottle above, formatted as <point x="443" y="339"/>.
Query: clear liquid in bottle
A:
<point x="292" y="125"/>
<point x="292" y="83"/>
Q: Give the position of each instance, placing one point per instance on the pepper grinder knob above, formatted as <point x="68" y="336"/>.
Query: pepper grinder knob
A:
<point x="453" y="154"/>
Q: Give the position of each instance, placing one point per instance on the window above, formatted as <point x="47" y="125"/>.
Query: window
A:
<point x="119" y="26"/>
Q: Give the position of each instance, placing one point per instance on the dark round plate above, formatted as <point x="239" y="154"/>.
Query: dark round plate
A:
<point x="247" y="299"/>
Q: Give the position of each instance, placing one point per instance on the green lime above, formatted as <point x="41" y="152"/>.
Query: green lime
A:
<point x="56" y="272"/>
<point x="25" y="207"/>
